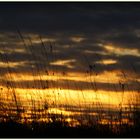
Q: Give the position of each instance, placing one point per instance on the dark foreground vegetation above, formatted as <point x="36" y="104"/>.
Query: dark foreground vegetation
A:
<point x="59" y="130"/>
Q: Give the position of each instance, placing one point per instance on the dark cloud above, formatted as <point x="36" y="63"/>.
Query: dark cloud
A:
<point x="69" y="18"/>
<point x="96" y="24"/>
<point x="72" y="85"/>
<point x="125" y="40"/>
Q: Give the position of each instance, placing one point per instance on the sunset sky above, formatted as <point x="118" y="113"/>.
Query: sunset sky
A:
<point x="70" y="47"/>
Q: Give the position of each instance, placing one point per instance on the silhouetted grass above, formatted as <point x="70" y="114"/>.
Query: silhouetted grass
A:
<point x="59" y="130"/>
<point x="14" y="122"/>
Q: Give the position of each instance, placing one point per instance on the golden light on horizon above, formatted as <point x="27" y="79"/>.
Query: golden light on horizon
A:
<point x="104" y="77"/>
<point x="73" y="97"/>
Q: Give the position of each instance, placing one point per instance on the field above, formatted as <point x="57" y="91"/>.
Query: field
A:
<point x="76" y="84"/>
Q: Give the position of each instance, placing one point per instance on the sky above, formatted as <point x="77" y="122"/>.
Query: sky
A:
<point x="70" y="45"/>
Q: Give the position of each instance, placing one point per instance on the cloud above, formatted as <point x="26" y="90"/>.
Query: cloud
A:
<point x="72" y="85"/>
<point x="76" y="31"/>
